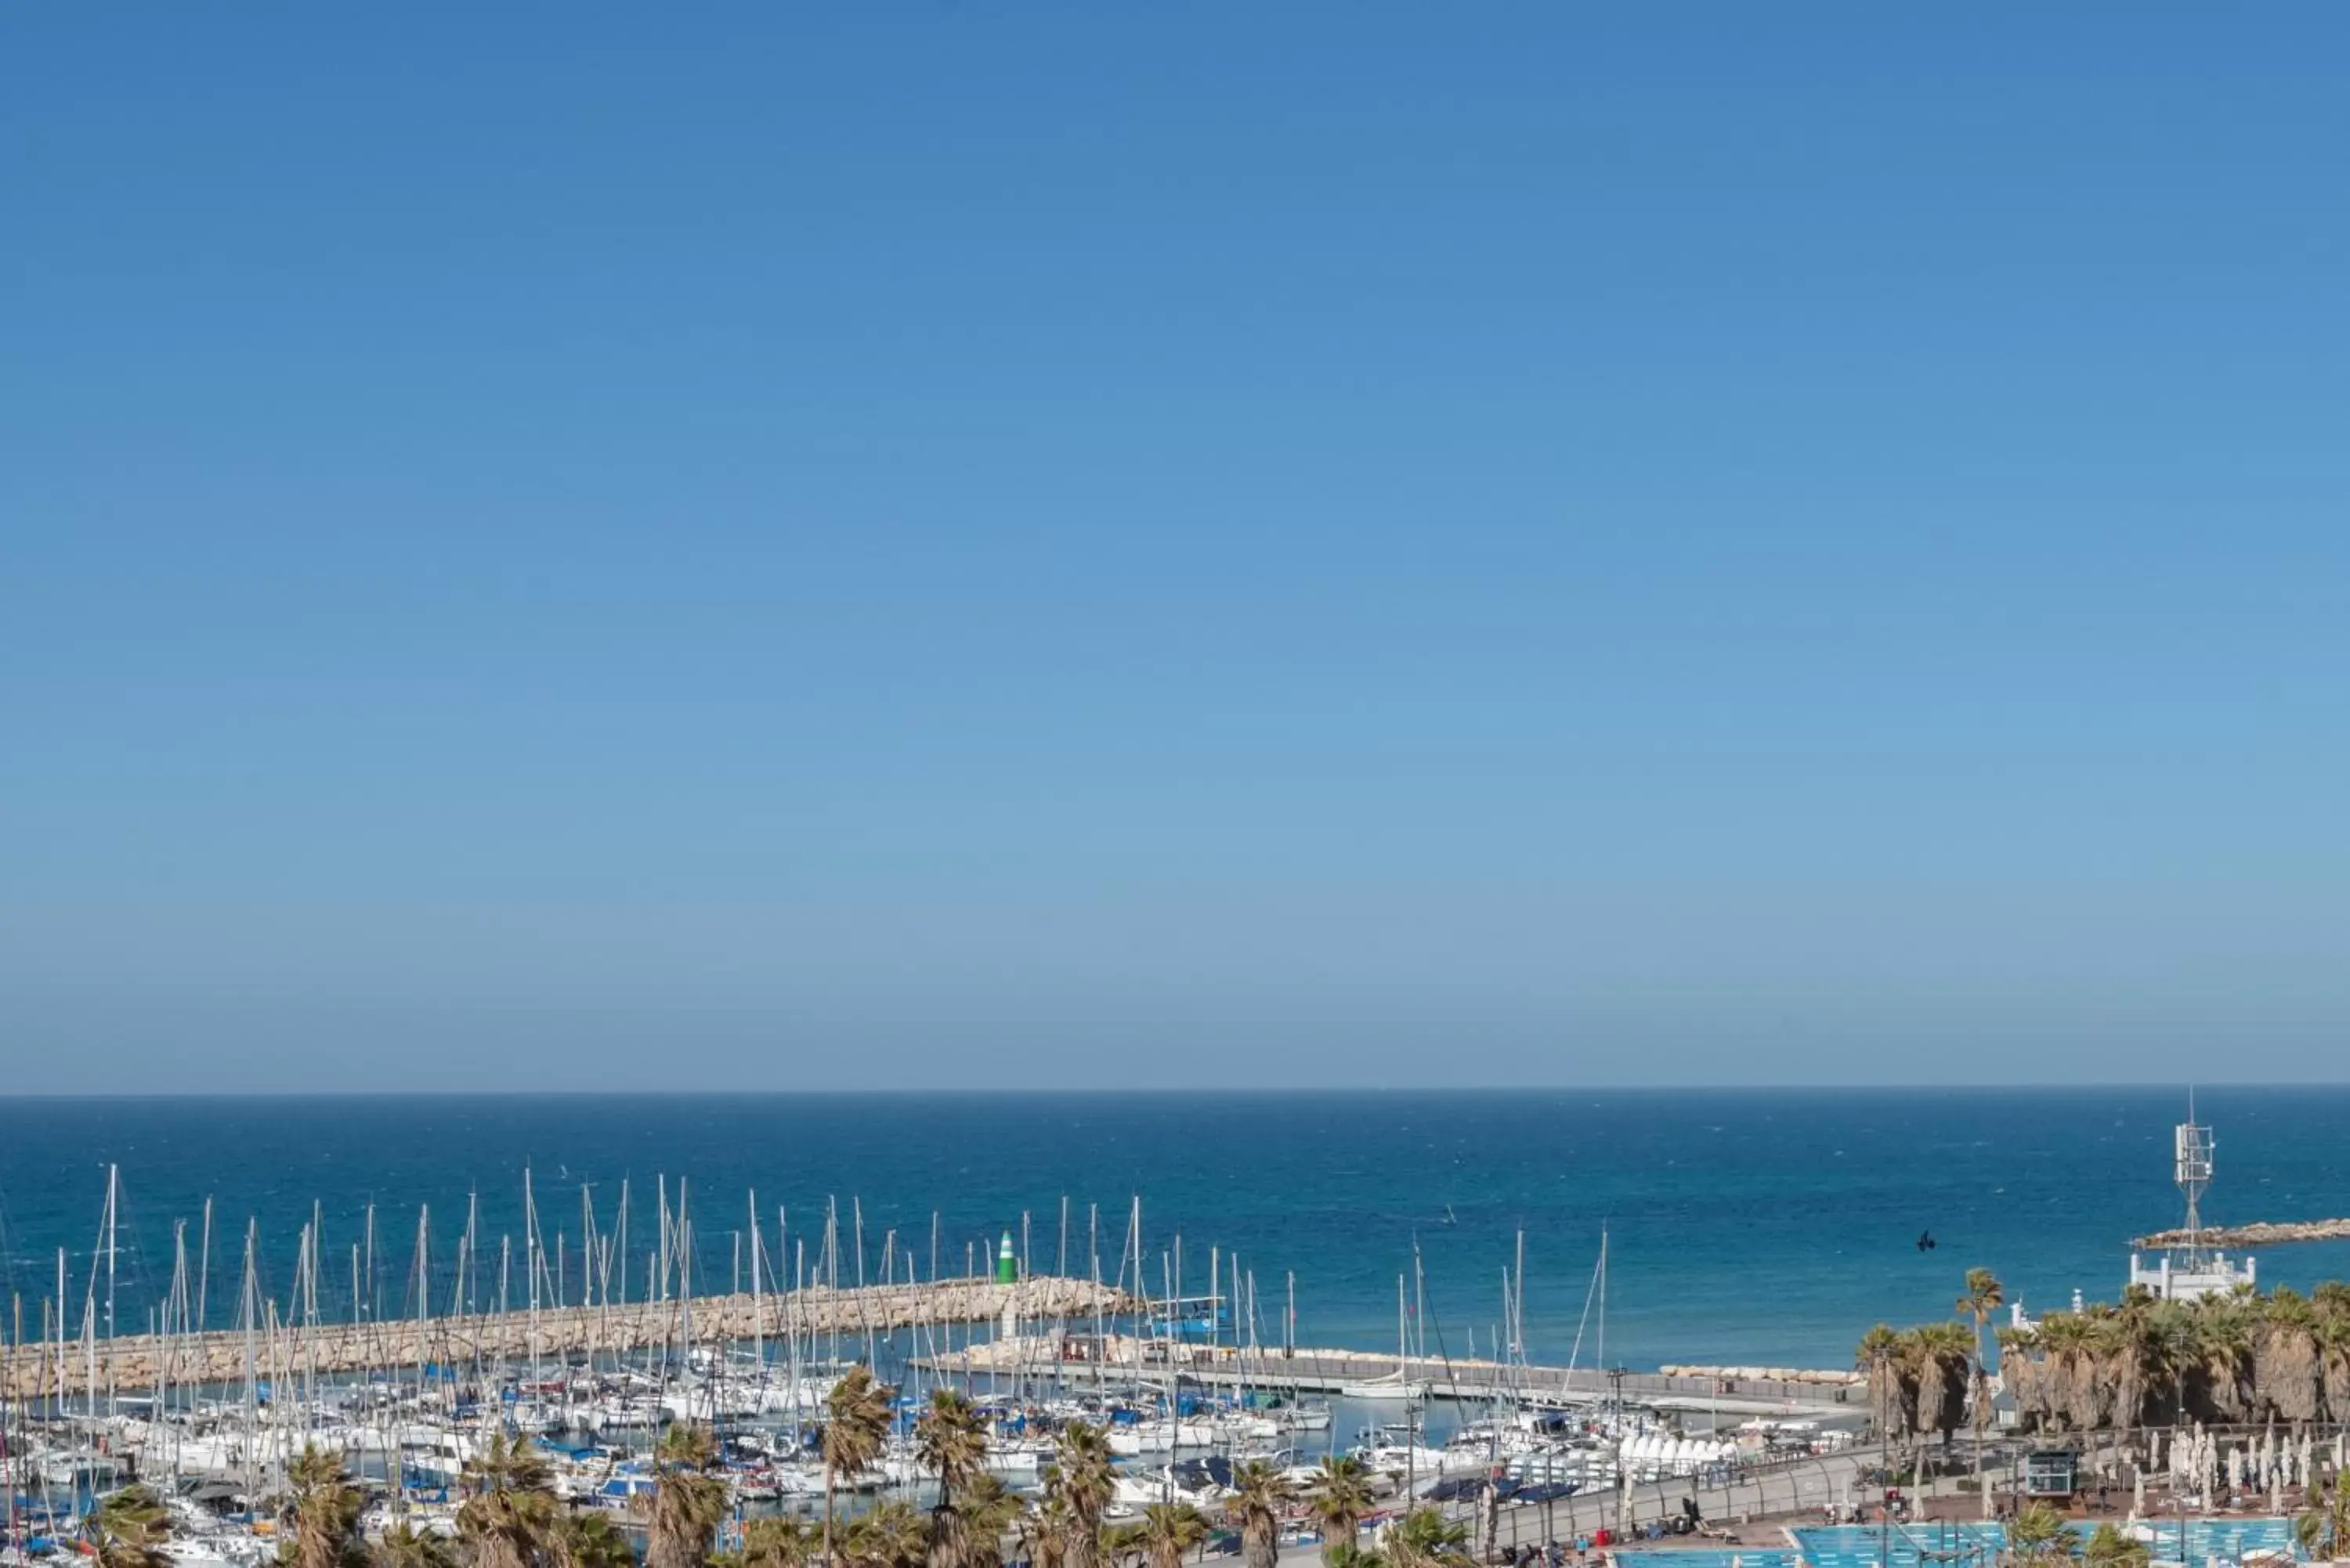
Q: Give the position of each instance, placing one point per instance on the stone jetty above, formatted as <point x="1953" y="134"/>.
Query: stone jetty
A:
<point x="133" y="1363"/>
<point x="2260" y="1233"/>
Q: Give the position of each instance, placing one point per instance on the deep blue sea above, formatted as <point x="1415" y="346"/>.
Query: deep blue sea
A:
<point x="1745" y="1226"/>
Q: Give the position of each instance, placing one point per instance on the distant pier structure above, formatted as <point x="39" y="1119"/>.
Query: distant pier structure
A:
<point x="76" y="1368"/>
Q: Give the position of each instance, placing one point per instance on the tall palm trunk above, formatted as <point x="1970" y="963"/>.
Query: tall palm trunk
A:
<point x="1981" y="1404"/>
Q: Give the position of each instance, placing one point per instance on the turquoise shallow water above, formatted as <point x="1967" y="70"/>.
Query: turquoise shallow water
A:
<point x="1745" y="1227"/>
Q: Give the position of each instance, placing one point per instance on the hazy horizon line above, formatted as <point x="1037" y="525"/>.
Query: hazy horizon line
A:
<point x="1789" y="1086"/>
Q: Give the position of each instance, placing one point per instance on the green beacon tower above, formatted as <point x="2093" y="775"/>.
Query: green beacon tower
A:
<point x="1007" y="1271"/>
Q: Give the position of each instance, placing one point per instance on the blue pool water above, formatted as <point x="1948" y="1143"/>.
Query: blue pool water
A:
<point x="1863" y="1546"/>
<point x="2227" y="1538"/>
<point x="1866" y="1546"/>
<point x="1707" y="1557"/>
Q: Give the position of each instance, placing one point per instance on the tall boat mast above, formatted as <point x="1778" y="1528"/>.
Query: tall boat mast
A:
<point x="113" y="1188"/>
<point x="1518" y="1312"/>
<point x="424" y="1289"/>
<point x="1093" y="1251"/>
<point x="758" y="1310"/>
<point x="586" y="1248"/>
<point x="57" y="1336"/>
<point x="204" y="1270"/>
<point x="251" y="1312"/>
<point x="530" y="1256"/>
<point x="685" y="1294"/>
<point x="1602" y="1281"/>
<point x="620" y="1240"/>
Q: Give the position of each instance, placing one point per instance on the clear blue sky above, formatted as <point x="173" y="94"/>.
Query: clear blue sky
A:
<point x="862" y="544"/>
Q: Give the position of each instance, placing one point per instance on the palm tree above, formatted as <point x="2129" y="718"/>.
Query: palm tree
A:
<point x="1982" y="1298"/>
<point x="1939" y="1359"/>
<point x="2153" y="1350"/>
<point x="128" y="1529"/>
<point x="2330" y="1303"/>
<point x="950" y="1440"/>
<point x="951" y="1443"/>
<point x="887" y="1536"/>
<point x="1260" y="1491"/>
<point x="405" y="1546"/>
<point x="1043" y="1530"/>
<point x="2077" y="1352"/>
<point x="687" y="1500"/>
<point x="2109" y="1548"/>
<point x="2039" y="1536"/>
<point x="321" y="1517"/>
<point x="587" y="1538"/>
<point x="2323" y="1528"/>
<point x="2026" y="1374"/>
<point x="778" y="1541"/>
<point x="1424" y="1538"/>
<point x="1082" y="1477"/>
<point x="1338" y="1497"/>
<point x="1877" y="1356"/>
<point x="1169" y="1531"/>
<point x="1125" y="1545"/>
<point x="510" y="1513"/>
<point x="2222" y="1358"/>
<point x="857" y="1418"/>
<point x="2287" y="1368"/>
<point x="985" y="1509"/>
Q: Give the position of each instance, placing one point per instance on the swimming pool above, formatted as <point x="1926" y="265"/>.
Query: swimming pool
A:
<point x="1709" y="1557"/>
<point x="1900" y="1545"/>
<point x="1909" y="1546"/>
<point x="2228" y="1539"/>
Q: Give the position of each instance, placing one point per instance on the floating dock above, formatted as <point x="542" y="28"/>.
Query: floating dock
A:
<point x="1793" y="1393"/>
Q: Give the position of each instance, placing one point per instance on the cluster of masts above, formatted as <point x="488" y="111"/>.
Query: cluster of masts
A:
<point x="556" y="1275"/>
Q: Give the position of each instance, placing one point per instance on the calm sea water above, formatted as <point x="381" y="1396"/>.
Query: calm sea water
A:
<point x="1744" y="1227"/>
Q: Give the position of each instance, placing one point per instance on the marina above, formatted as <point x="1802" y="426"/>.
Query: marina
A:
<point x="410" y="1370"/>
<point x="1184" y="1389"/>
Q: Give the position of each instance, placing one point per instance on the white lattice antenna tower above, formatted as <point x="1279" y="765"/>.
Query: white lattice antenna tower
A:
<point x="2193" y="1147"/>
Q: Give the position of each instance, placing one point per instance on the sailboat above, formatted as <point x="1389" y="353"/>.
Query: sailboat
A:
<point x="1396" y="1385"/>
